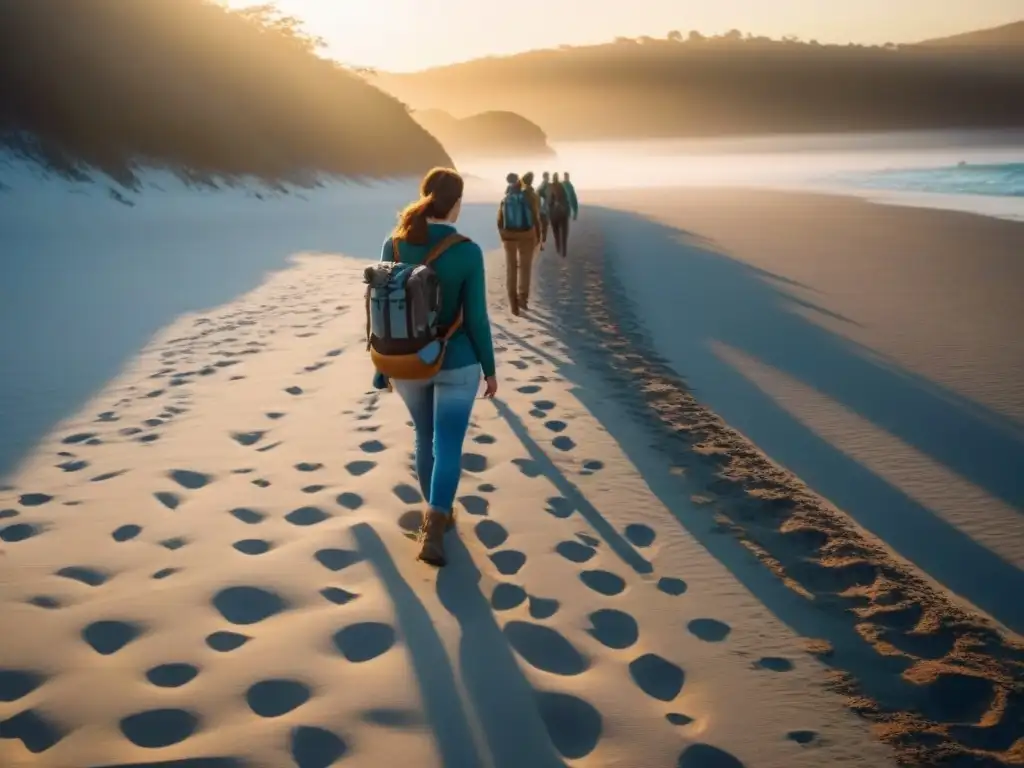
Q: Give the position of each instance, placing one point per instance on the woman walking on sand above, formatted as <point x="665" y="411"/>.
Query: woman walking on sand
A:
<point x="429" y="335"/>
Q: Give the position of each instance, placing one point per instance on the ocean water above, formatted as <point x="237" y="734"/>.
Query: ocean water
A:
<point x="998" y="179"/>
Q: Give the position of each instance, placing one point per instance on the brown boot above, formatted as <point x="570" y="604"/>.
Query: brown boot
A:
<point x="434" y="526"/>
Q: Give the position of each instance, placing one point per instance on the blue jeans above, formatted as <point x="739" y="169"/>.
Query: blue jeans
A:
<point x="440" y="408"/>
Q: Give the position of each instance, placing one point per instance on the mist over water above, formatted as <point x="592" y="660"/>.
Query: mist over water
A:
<point x="978" y="171"/>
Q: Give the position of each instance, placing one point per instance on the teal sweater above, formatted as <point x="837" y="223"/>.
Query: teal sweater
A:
<point x="460" y="271"/>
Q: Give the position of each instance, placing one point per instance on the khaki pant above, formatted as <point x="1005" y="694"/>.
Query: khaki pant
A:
<point x="519" y="269"/>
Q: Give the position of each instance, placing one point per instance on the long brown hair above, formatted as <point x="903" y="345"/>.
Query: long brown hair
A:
<point x="440" y="190"/>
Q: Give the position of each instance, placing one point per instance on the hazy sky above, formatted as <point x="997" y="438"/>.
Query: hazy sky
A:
<point x="402" y="35"/>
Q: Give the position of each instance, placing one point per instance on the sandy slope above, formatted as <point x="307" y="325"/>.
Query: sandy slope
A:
<point x="212" y="559"/>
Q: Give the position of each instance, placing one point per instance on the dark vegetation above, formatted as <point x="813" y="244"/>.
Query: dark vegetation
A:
<point x="488" y="134"/>
<point x="737" y="84"/>
<point x="190" y="85"/>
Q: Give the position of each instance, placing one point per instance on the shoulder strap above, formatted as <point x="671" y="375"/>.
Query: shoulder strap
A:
<point x="453" y="239"/>
<point x="394" y="250"/>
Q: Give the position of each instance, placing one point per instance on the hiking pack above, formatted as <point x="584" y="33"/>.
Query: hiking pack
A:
<point x="403" y="305"/>
<point x="558" y="201"/>
<point x="516" y="211"/>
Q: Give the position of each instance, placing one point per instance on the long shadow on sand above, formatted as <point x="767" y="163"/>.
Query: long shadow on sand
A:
<point x="85" y="282"/>
<point x="501" y="700"/>
<point x="441" y="700"/>
<point x="718" y="299"/>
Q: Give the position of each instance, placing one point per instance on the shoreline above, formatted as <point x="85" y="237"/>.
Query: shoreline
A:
<point x="939" y="680"/>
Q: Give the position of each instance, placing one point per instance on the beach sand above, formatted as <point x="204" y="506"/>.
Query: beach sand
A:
<point x="212" y="559"/>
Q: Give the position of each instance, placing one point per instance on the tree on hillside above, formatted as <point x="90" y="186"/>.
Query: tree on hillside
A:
<point x="675" y="36"/>
<point x="269" y="18"/>
<point x="695" y="36"/>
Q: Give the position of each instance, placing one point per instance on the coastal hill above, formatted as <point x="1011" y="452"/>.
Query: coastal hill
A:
<point x="487" y="134"/>
<point x="732" y="84"/>
<point x="1007" y="35"/>
<point x="195" y="87"/>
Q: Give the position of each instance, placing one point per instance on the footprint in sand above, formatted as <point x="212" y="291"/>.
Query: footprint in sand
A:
<point x="224" y="641"/>
<point x="108" y="476"/>
<point x="528" y="389"/>
<point x="407" y="494"/>
<point x="89" y="576"/>
<point x="590" y="466"/>
<point x="248" y="438"/>
<point x="246" y="605"/>
<point x="277" y="697"/>
<point x="306" y="516"/>
<point x="657" y="677"/>
<point x="190" y="479"/>
<point x="672" y="586"/>
<point x="247" y="516"/>
<point x="78" y="438"/>
<point x="574" y="551"/>
<point x="706" y="756"/>
<point x="774" y="664"/>
<point x="253" y="546"/>
<point x="34" y="499"/>
<point x="16" y="684"/>
<point x="508" y="562"/>
<point x="73" y="466"/>
<point x="337" y="595"/>
<point x="485" y="439"/>
<point x="275" y="415"/>
<point x="45" y="601"/>
<point x="336" y="559"/>
<point x="350" y="501"/>
<point x="573" y="725"/>
<point x="316" y="747"/>
<point x="518" y="364"/>
<point x="564" y="443"/>
<point x="505" y="597"/>
<point x="309" y="466"/>
<point x="477" y="506"/>
<point x="33" y="730"/>
<point x="168" y="499"/>
<point x="545" y="649"/>
<point x="7" y="514"/>
<point x="294" y="390"/>
<point x="709" y="630"/>
<point x="108" y="636"/>
<point x="159" y="728"/>
<point x="640" y="535"/>
<point x="313" y="488"/>
<point x="677" y="718"/>
<point x="614" y="629"/>
<point x="174" y="543"/>
<point x="528" y="467"/>
<point x="802" y="737"/>
<point x="260" y="482"/>
<point x="491" y="533"/>
<point x="603" y="582"/>
<point x="559" y="507"/>
<point x="163" y="573"/>
<point x="365" y="641"/>
<point x="474" y="462"/>
<point x="20" y="532"/>
<point x="359" y="468"/>
<point x="172" y="675"/>
<point x="543" y="607"/>
<point x="372" y="446"/>
<point x="587" y="539"/>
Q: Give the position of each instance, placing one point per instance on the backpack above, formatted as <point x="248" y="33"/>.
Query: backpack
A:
<point x="516" y="211"/>
<point x="403" y="304"/>
<point x="558" y="201"/>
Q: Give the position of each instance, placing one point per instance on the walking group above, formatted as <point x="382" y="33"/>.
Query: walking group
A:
<point x="427" y="327"/>
<point x="524" y="217"/>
